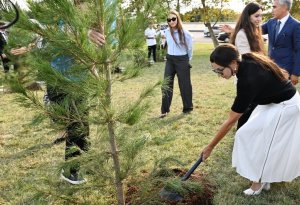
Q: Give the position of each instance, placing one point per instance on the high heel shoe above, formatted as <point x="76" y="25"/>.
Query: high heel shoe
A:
<point x="249" y="192"/>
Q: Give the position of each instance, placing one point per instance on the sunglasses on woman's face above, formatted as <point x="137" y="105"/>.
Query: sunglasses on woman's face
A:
<point x="171" y="19"/>
<point x="219" y="70"/>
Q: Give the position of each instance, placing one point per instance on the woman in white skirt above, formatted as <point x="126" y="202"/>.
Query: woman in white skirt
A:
<point x="267" y="146"/>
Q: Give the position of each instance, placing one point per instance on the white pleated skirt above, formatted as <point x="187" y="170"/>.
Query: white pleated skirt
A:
<point x="267" y="147"/>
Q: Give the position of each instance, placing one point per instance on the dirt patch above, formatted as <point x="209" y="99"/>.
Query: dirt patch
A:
<point x="147" y="192"/>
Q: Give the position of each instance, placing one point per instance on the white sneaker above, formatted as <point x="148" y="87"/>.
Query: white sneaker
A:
<point x="72" y="178"/>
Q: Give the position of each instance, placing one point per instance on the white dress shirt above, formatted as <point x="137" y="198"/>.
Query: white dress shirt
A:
<point x="283" y="21"/>
<point x="150" y="33"/>
<point x="179" y="49"/>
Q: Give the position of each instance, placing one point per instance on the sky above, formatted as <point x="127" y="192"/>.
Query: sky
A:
<point x="236" y="5"/>
<point x="22" y="3"/>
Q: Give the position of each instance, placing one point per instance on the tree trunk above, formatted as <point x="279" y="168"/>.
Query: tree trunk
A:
<point x="110" y="125"/>
<point x="208" y="24"/>
<point x="212" y="35"/>
<point x="112" y="141"/>
<point x="178" y="6"/>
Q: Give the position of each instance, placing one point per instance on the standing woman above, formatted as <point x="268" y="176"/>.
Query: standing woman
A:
<point x="247" y="35"/>
<point x="179" y="53"/>
<point x="266" y="148"/>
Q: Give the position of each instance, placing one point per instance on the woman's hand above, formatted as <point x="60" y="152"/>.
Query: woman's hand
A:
<point x="96" y="37"/>
<point x="294" y="79"/>
<point x="19" y="51"/>
<point x="206" y="152"/>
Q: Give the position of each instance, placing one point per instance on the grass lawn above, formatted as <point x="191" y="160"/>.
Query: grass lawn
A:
<point x="30" y="162"/>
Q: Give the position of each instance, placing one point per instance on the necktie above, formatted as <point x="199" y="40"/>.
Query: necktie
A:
<point x="277" y="27"/>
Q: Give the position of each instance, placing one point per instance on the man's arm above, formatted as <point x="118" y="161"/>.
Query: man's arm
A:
<point x="296" y="42"/>
<point x="264" y="28"/>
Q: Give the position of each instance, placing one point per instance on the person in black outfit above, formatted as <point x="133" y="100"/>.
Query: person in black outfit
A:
<point x="74" y="117"/>
<point x="266" y="147"/>
<point x="3" y="42"/>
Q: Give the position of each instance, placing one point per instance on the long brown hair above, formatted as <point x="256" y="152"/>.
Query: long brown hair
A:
<point x="265" y="62"/>
<point x="253" y="33"/>
<point x="179" y="27"/>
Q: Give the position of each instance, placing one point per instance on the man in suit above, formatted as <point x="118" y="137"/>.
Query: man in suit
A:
<point x="284" y="38"/>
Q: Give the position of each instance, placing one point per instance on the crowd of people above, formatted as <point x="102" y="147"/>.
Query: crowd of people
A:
<point x="266" y="106"/>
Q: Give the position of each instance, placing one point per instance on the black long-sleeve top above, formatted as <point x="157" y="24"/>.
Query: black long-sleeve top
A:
<point x="259" y="86"/>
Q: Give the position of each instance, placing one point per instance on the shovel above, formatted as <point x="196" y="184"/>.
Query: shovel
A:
<point x="173" y="196"/>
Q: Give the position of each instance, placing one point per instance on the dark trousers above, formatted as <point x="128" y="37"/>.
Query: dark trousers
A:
<point x="152" y="49"/>
<point x="244" y="118"/>
<point x="177" y="65"/>
<point x="76" y="125"/>
<point x="5" y="63"/>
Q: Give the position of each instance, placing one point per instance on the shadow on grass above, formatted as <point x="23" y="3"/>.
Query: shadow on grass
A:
<point x="168" y="119"/>
<point x="28" y="151"/>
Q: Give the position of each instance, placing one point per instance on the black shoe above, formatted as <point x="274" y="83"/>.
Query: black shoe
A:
<point x="187" y="111"/>
<point x="163" y="115"/>
<point x="72" y="178"/>
<point x="60" y="138"/>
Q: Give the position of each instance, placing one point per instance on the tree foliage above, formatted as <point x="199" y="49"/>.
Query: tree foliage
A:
<point x="64" y="29"/>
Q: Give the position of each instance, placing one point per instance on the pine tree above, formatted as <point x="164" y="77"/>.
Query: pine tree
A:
<point x="90" y="77"/>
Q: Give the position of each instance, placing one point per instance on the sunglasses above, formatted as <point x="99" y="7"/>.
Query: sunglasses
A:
<point x="219" y="70"/>
<point x="171" y="19"/>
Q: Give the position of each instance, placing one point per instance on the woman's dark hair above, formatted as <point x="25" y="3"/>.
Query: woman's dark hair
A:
<point x="266" y="63"/>
<point x="223" y="55"/>
<point x="253" y="32"/>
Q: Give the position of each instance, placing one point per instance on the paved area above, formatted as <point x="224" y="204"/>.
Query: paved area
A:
<point x="196" y="29"/>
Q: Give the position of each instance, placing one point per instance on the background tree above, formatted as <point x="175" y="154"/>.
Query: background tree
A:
<point x="267" y="6"/>
<point x="295" y="11"/>
<point x="196" y="15"/>
<point x="211" y="16"/>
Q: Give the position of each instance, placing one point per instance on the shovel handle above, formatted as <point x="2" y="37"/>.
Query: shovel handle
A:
<point x="191" y="170"/>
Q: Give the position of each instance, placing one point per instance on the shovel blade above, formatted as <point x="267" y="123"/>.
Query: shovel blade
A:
<point x="170" y="196"/>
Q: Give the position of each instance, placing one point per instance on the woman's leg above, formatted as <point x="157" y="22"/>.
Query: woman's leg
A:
<point x="184" y="80"/>
<point x="167" y="92"/>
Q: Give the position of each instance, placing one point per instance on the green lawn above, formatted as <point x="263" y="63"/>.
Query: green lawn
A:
<point x="30" y="162"/>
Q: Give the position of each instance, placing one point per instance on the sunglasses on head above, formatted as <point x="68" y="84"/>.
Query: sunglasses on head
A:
<point x="171" y="19"/>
